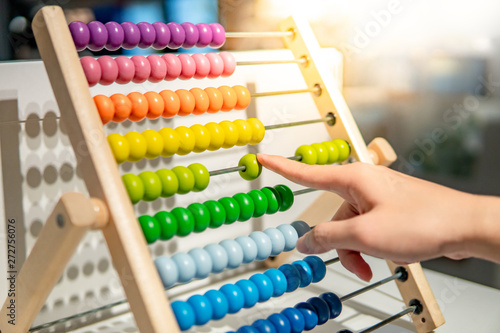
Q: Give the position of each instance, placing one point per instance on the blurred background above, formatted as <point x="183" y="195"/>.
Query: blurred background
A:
<point x="423" y="74"/>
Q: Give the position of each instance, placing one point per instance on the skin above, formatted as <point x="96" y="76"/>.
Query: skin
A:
<point x="394" y="216"/>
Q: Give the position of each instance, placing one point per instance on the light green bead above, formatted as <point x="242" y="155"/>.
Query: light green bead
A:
<point x="186" y="179"/>
<point x="134" y="186"/>
<point x="253" y="168"/>
<point x="344" y="149"/>
<point x="333" y="152"/>
<point x="201" y="176"/>
<point x="308" y="154"/>
<point x="169" y="182"/>
<point x="152" y="185"/>
<point x="321" y="152"/>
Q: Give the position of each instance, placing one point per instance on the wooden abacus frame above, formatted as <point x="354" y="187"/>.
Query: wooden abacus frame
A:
<point x="110" y="208"/>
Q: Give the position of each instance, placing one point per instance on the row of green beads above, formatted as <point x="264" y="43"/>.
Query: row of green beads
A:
<point x="327" y="152"/>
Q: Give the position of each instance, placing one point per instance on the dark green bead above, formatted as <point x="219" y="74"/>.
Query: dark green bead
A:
<point x="286" y="195"/>
<point x="201" y="216"/>
<point x="273" y="199"/>
<point x="185" y="221"/>
<point x="150" y="228"/>
<point x="168" y="225"/>
<point x="260" y="202"/>
<point x="217" y="213"/>
<point x="232" y="209"/>
<point x="247" y="207"/>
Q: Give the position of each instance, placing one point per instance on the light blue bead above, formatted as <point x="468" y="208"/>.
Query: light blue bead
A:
<point x="278" y="280"/>
<point x="277" y="240"/>
<point x="264" y="285"/>
<point x="219" y="303"/>
<point x="290" y="235"/>
<point x="202" y="309"/>
<point x="249" y="248"/>
<point x="234" y="253"/>
<point x="184" y="314"/>
<point x="168" y="271"/>
<point x="219" y="257"/>
<point x="185" y="265"/>
<point x="203" y="262"/>
<point x="234" y="296"/>
<point x="264" y="245"/>
<point x="250" y="292"/>
<point x="306" y="273"/>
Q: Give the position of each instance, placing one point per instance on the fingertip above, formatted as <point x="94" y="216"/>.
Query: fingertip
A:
<point x="302" y="245"/>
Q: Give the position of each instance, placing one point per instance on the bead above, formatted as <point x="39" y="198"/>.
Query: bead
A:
<point x="202" y="309"/>
<point x="308" y="154"/>
<point x="201" y="176"/>
<point x="218" y="256"/>
<point x="150" y="227"/>
<point x="321" y="308"/>
<point x="154" y="142"/>
<point x="250" y="292"/>
<point x="119" y="146"/>
<point x="186" y="179"/>
<point x="247" y="207"/>
<point x="116" y="36"/>
<point x="264" y="245"/>
<point x="253" y="168"/>
<point x="168" y="225"/>
<point x="188" y="67"/>
<point x="158" y="68"/>
<point x="187" y="102"/>
<point x="280" y="322"/>
<point x="218" y="35"/>
<point x="244" y="132"/>
<point x="172" y="103"/>
<point x="321" y="152"/>
<point x="138" y="146"/>
<point x="152" y="185"/>
<point x="219" y="303"/>
<point x="296" y="319"/>
<point x="185" y="221"/>
<point x="204" y="35"/>
<point x="310" y="317"/>
<point x="186" y="140"/>
<point x="169" y="182"/>
<point x="234" y="253"/>
<point x="277" y="240"/>
<point x="167" y="269"/>
<point x="260" y="203"/>
<point x="148" y="34"/>
<point x="278" y="280"/>
<point x="155" y="104"/>
<point x="242" y="97"/>
<point x="301" y="227"/>
<point x="162" y="35"/>
<point x="174" y="67"/>
<point x="134" y="186"/>
<point x="184" y="314"/>
<point x="217" y="136"/>
<point x="247" y="329"/>
<point x="217" y="213"/>
<point x="286" y="195"/>
<point x="215" y="99"/>
<point x="202" y="66"/>
<point x="258" y="130"/>
<point x="318" y="267"/>
<point x="273" y="199"/>
<point x="264" y="286"/>
<point x="203" y="262"/>
<point x="105" y="107"/>
<point x="333" y="152"/>
<point x="292" y="277"/>
<point x="334" y="304"/>
<point x="229" y="63"/>
<point x="123" y="107"/>
<point x="142" y="68"/>
<point x="229" y="98"/>
<point x="216" y="65"/>
<point x="177" y="35"/>
<point x="98" y="36"/>
<point x="344" y="149"/>
<point x="249" y="248"/>
<point x="202" y="138"/>
<point x="201" y="216"/>
<point x="140" y="106"/>
<point x="264" y="326"/>
<point x="230" y="134"/>
<point x="290" y="235"/>
<point x="92" y="70"/>
<point x="192" y="35"/>
<point x="232" y="209"/>
<point x="201" y="101"/>
<point x="126" y="69"/>
<point x="132" y="35"/>
<point x="80" y="33"/>
<point x="305" y="271"/>
<point x="344" y="331"/>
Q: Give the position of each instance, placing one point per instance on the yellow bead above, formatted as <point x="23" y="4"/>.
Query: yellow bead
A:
<point x="171" y="141"/>
<point x="230" y="134"/>
<point x="187" y="140"/>
<point x="202" y="138"/>
<point x="138" y="146"/>
<point x="217" y="136"/>
<point x="258" y="130"/>
<point x="155" y="143"/>
<point x="119" y="146"/>
<point x="244" y="132"/>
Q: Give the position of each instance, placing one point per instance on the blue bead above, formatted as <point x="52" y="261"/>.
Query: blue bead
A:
<point x="249" y="248"/>
<point x="234" y="252"/>
<point x="234" y="296"/>
<point x="317" y="266"/>
<point x="219" y="257"/>
<point x="301" y="227"/>
<point x="247" y="329"/>
<point x="264" y="245"/>
<point x="310" y="317"/>
<point x="321" y="308"/>
<point x="292" y="277"/>
<point x="264" y="326"/>
<point x="264" y="285"/>
<point x="185" y="266"/>
<point x="295" y="318"/>
<point x="203" y="262"/>
<point x="344" y="331"/>
<point x="184" y="314"/>
<point x="334" y="304"/>
<point x="219" y="303"/>
<point x="306" y="274"/>
<point x="167" y="269"/>
<point x="280" y="322"/>
<point x="250" y="292"/>
<point x="202" y="309"/>
<point x="278" y="280"/>
<point x="277" y="240"/>
<point x="290" y="235"/>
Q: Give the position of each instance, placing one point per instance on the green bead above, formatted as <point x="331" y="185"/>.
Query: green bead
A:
<point x="186" y="179"/>
<point x="152" y="185"/>
<point x="344" y="149"/>
<point x="273" y="199"/>
<point x="253" y="168"/>
<point x="150" y="228"/>
<point x="247" y="207"/>
<point x="201" y="216"/>
<point x="169" y="182"/>
<point x="232" y="209"/>
<point x="260" y="202"/>
<point x="321" y="152"/>
<point x="185" y="221"/>
<point x="217" y="213"/>
<point x="168" y="225"/>
<point x="286" y="195"/>
<point x="201" y="176"/>
<point x="134" y="186"/>
<point x="308" y="154"/>
<point x="333" y="152"/>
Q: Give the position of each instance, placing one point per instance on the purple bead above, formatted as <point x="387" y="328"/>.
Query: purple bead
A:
<point x="177" y="35"/>
<point x="115" y="36"/>
<point x="98" y="36"/>
<point x="162" y="35"/>
<point x="148" y="34"/>
<point x="218" y="35"/>
<point x="132" y="35"/>
<point x="192" y="35"/>
<point x="80" y="33"/>
<point x="205" y="35"/>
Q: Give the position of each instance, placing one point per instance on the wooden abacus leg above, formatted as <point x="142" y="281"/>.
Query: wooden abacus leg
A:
<point x="72" y="217"/>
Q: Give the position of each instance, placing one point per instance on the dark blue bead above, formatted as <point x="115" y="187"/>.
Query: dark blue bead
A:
<point x="344" y="331"/>
<point x="306" y="274"/>
<point x="292" y="277"/>
<point x="321" y="308"/>
<point x="264" y="285"/>
<point x="301" y="227"/>
<point x="250" y="293"/>
<point x="247" y="329"/>
<point x="235" y="298"/>
<point x="317" y="266"/>
<point x="219" y="303"/>
<point x="202" y="309"/>
<point x="280" y="322"/>
<point x="279" y="281"/>
<point x="184" y="314"/>
<point x="264" y="326"/>
<point x="310" y="318"/>
<point x="333" y="302"/>
<point x="295" y="318"/>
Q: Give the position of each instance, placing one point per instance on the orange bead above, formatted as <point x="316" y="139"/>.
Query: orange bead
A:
<point x="215" y="99"/>
<point x="172" y="103"/>
<point x="187" y="102"/>
<point x="229" y="97"/>
<point x="155" y="104"/>
<point x="242" y="96"/>
<point x="139" y="106"/>
<point x="105" y="107"/>
<point x="201" y="101"/>
<point x="123" y="107"/>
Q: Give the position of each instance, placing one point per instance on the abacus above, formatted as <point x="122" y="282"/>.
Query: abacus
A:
<point x="110" y="207"/>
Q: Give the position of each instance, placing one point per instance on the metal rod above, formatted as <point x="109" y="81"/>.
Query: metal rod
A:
<point x="284" y="92"/>
<point x="299" y="123"/>
<point x="370" y="287"/>
<point x="262" y="34"/>
<point x="332" y="261"/>
<point x="300" y="61"/>
<point x="384" y="322"/>
<point x="304" y="191"/>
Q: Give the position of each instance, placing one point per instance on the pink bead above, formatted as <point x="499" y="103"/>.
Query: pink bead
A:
<point x="142" y="69"/>
<point x="188" y="67"/>
<point x="216" y="65"/>
<point x="202" y="66"/>
<point x="126" y="69"/>
<point x="174" y="66"/>
<point x="109" y="70"/>
<point x="229" y="63"/>
<point x="158" y="68"/>
<point x="92" y="70"/>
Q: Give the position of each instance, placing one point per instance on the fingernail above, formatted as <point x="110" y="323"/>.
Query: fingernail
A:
<point x="302" y="245"/>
